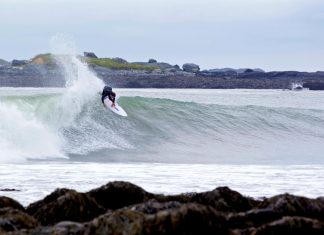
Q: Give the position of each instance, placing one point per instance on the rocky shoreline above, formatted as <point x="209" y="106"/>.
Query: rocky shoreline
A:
<point x="124" y="208"/>
<point x="42" y="71"/>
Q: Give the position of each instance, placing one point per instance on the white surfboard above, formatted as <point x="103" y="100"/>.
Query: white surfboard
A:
<point x="115" y="108"/>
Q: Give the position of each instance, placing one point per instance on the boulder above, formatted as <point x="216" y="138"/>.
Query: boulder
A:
<point x="191" y="68"/>
<point x="252" y="218"/>
<point x="8" y="202"/>
<point x="248" y="71"/>
<point x="13" y="220"/>
<point x="61" y="228"/>
<point x="119" y="194"/>
<point x="72" y="206"/>
<point x="19" y="62"/>
<point x="119" y="60"/>
<point x="222" y="199"/>
<point x="191" y="218"/>
<point x="123" y="221"/>
<point x="32" y="208"/>
<point x="151" y="61"/>
<point x="90" y="55"/>
<point x="153" y="206"/>
<point x="186" y="219"/>
<point x="290" y="205"/>
<point x="292" y="226"/>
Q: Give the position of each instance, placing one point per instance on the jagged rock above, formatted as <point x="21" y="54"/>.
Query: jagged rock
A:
<point x="119" y="222"/>
<point x="292" y="226"/>
<point x="152" y="61"/>
<point x="62" y="228"/>
<point x="222" y="199"/>
<point x="33" y="207"/>
<point x="190" y="218"/>
<point x="289" y="205"/>
<point x="252" y="218"/>
<point x="13" y="220"/>
<point x="153" y="206"/>
<point x="177" y="67"/>
<point x="119" y="194"/>
<point x="186" y="219"/>
<point x="191" y="68"/>
<point x="89" y="55"/>
<point x="72" y="206"/>
<point x="8" y="202"/>
<point x="120" y="60"/>
<point x="19" y="62"/>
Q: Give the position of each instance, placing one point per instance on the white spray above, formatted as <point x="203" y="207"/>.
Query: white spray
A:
<point x="32" y="130"/>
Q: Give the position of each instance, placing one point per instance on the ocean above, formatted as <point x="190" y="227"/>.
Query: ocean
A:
<point x="259" y="142"/>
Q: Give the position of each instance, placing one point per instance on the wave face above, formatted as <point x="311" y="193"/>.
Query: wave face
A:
<point x="72" y="123"/>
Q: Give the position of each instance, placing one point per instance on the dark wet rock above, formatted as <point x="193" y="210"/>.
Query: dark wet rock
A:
<point x="191" y="68"/>
<point x="190" y="218"/>
<point x="222" y="199"/>
<point x="72" y="206"/>
<point x="186" y="219"/>
<point x="289" y="205"/>
<point x="120" y="60"/>
<point x="119" y="222"/>
<point x="292" y="226"/>
<point x="119" y="194"/>
<point x="33" y="207"/>
<point x="13" y="220"/>
<point x="225" y="199"/>
<point x="62" y="228"/>
<point x="8" y="202"/>
<point x="152" y="61"/>
<point x="9" y="190"/>
<point x="248" y="71"/>
<point x="19" y="62"/>
<point x="252" y="218"/>
<point x="314" y="85"/>
<point x="89" y="55"/>
<point x="153" y="206"/>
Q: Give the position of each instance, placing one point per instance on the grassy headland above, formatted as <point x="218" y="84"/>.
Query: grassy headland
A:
<point x="112" y="64"/>
<point x="104" y="62"/>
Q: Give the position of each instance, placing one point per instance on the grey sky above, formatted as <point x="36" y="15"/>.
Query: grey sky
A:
<point x="270" y="34"/>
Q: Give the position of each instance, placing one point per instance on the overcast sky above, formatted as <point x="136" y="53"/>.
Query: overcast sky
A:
<point x="269" y="34"/>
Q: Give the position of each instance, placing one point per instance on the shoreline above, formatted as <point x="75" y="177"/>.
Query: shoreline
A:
<point x="124" y="208"/>
<point x="44" y="71"/>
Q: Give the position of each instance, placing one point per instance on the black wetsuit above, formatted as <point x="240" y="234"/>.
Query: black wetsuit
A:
<point x="107" y="92"/>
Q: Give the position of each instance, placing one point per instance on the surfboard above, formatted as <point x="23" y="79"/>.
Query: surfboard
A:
<point x="116" y="108"/>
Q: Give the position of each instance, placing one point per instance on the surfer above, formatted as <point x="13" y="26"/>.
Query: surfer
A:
<point x="108" y="93"/>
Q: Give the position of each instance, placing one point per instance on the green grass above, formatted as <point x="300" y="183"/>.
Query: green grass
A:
<point x="111" y="64"/>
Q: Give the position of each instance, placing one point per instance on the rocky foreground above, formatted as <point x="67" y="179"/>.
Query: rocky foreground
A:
<point x="43" y="71"/>
<point x="123" y="208"/>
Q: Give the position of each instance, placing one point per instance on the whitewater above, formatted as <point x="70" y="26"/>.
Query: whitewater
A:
<point x="259" y="142"/>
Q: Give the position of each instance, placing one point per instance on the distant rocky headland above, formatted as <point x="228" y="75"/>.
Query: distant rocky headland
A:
<point x="43" y="71"/>
<point x="124" y="208"/>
